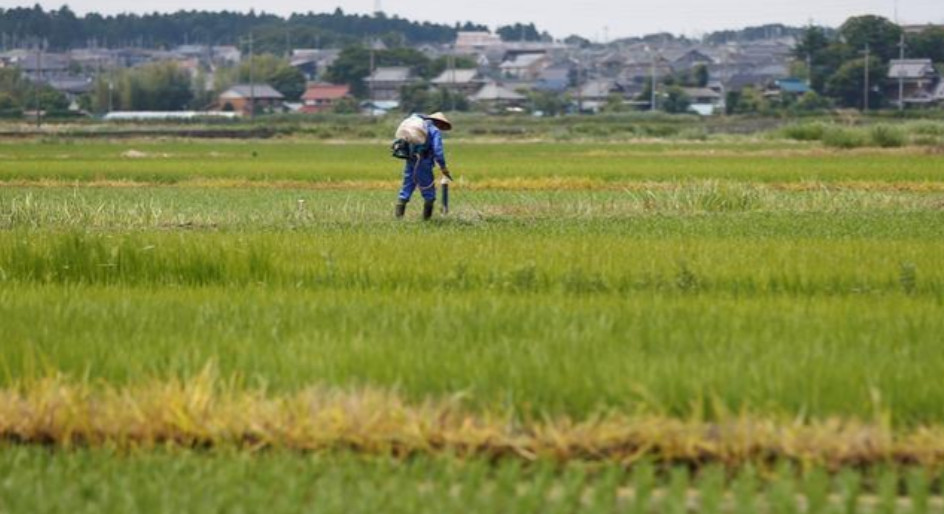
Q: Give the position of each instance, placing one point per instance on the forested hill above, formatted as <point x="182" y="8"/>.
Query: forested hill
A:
<point x="62" y="29"/>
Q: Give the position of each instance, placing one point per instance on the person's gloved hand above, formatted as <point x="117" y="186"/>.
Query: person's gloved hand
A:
<point x="445" y="172"/>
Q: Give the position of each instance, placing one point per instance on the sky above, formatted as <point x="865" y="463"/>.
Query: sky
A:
<point x="598" y="20"/>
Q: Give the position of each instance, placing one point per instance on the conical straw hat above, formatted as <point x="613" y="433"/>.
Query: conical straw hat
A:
<point x="441" y="118"/>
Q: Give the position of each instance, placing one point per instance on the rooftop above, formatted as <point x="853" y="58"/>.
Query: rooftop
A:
<point x="910" y="68"/>
<point x="493" y="92"/>
<point x="251" y="91"/>
<point x="456" y="77"/>
<point x="390" y="74"/>
<point x="326" y="92"/>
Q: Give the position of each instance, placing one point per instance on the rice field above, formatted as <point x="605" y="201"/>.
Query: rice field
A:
<point x="658" y="326"/>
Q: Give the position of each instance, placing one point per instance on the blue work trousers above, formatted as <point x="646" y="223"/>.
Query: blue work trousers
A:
<point x="418" y="174"/>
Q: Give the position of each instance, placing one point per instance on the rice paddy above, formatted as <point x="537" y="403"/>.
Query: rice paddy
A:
<point x="595" y="326"/>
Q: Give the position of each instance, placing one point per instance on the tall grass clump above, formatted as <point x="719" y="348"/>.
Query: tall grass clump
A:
<point x="844" y="138"/>
<point x="804" y="131"/>
<point x="887" y="136"/>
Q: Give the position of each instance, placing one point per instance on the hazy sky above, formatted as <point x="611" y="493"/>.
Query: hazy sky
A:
<point x="595" y="19"/>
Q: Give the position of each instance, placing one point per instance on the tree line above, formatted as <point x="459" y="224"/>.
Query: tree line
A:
<point x="61" y="29"/>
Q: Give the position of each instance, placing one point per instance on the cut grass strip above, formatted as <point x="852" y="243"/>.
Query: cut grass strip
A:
<point x="205" y="412"/>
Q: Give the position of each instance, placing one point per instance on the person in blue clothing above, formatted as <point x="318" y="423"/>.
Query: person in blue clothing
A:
<point x="418" y="170"/>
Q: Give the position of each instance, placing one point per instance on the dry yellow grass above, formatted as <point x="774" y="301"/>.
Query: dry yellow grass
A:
<point x="205" y="412"/>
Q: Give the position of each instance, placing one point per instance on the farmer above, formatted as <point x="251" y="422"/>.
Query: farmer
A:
<point x="418" y="170"/>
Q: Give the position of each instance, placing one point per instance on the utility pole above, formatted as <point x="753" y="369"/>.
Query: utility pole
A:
<point x="372" y="78"/>
<point x="865" y="92"/>
<point x="809" y="70"/>
<point x="901" y="73"/>
<point x="652" y="100"/>
<point x="451" y="62"/>
<point x="579" y="85"/>
<point x="252" y="83"/>
<point x="36" y="81"/>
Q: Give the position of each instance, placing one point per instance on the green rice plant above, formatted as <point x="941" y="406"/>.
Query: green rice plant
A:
<point x="816" y="485"/>
<point x="918" y="490"/>
<point x="850" y="486"/>
<point x="887" y="491"/>
<point x="711" y="490"/>
<point x="643" y="480"/>
<point x="745" y="489"/>
<point x="676" y="497"/>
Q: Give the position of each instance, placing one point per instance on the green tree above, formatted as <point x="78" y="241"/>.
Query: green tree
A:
<point x="414" y="98"/>
<point x="810" y="102"/>
<point x="847" y="85"/>
<point x="748" y="101"/>
<point x="442" y="99"/>
<point x="160" y="86"/>
<point x="817" y="49"/>
<point x="353" y="66"/>
<point x="519" y="32"/>
<point x="266" y="69"/>
<point x="928" y="44"/>
<point x="549" y="102"/>
<point x="347" y="105"/>
<point x="700" y="76"/>
<point x="676" y="101"/>
<point x="881" y="35"/>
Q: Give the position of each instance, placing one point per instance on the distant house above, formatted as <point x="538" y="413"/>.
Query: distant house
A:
<point x="524" y="66"/>
<point x="787" y="87"/>
<point x="918" y="78"/>
<point x="313" y="62"/>
<point x="471" y="42"/>
<point x="323" y="97"/>
<point x="495" y="97"/>
<point x="555" y="79"/>
<point x="689" y="59"/>
<point x="594" y="94"/>
<point x="248" y="98"/>
<point x="704" y="101"/>
<point x="385" y="83"/>
<point x="464" y="82"/>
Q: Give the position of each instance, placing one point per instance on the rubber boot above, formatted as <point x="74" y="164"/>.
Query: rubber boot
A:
<point x="401" y="209"/>
<point x="428" y="209"/>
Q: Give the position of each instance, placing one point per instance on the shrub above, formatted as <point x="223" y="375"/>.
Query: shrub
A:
<point x="838" y="137"/>
<point x="887" y="136"/>
<point x="804" y="131"/>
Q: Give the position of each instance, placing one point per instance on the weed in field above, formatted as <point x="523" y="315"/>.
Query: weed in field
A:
<point x="844" y="138"/>
<point x="887" y="136"/>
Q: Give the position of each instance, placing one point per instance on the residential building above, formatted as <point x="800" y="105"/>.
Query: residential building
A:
<point x="313" y="62"/>
<point x="323" y="97"/>
<point x="248" y="98"/>
<point x="385" y="83"/>
<point x="524" y="66"/>
<point x="472" y="42"/>
<point x="916" y="80"/>
<point x="495" y="97"/>
<point x="556" y="79"/>
<point x="704" y="101"/>
<point x="462" y="81"/>
<point x="790" y="86"/>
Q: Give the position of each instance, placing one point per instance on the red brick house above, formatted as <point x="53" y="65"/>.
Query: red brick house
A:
<point x="323" y="97"/>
